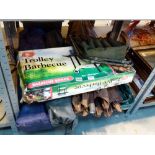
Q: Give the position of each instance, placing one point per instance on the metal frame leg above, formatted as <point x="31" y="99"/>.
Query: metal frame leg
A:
<point x="8" y="77"/>
<point x="10" y="31"/>
<point x="116" y="29"/>
<point x="7" y="104"/>
<point x="144" y="92"/>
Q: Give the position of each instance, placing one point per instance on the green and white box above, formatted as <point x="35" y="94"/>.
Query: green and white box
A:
<point x="53" y="73"/>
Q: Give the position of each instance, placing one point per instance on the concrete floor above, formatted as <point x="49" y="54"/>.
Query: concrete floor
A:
<point x="143" y="122"/>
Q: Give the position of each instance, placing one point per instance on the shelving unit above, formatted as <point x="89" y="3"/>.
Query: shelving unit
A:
<point x="148" y="85"/>
<point x="9" y="95"/>
<point x="7" y="91"/>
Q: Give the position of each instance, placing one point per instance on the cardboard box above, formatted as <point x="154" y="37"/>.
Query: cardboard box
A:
<point x="54" y="73"/>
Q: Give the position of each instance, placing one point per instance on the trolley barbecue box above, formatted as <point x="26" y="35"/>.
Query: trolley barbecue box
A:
<point x="55" y="73"/>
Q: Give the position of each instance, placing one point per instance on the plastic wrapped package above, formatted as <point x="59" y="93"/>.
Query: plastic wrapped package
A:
<point x="61" y="113"/>
<point x="39" y="36"/>
<point x="33" y="118"/>
<point x="31" y="39"/>
<point x="81" y="28"/>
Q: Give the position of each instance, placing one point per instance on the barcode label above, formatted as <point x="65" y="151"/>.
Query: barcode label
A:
<point x="90" y="77"/>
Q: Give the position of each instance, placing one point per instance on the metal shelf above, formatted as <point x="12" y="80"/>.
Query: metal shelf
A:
<point x="8" y="77"/>
<point x="9" y="120"/>
<point x="7" y="90"/>
<point x="148" y="104"/>
<point x="143" y="94"/>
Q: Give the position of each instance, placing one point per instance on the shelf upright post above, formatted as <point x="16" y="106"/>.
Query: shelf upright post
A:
<point x="143" y="93"/>
<point x="7" y="104"/>
<point x="8" y="76"/>
<point x="116" y="29"/>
